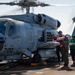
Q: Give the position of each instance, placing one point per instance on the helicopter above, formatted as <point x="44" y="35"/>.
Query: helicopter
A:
<point x="27" y="35"/>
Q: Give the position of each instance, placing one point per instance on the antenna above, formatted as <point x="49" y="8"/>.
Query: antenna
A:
<point x="27" y="10"/>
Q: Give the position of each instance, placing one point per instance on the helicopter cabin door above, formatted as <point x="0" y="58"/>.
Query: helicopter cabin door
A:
<point x="30" y="38"/>
<point x="27" y="37"/>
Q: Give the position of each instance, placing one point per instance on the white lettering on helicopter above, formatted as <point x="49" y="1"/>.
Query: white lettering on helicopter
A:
<point x="8" y="50"/>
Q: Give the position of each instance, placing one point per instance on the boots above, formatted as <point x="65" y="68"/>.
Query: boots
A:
<point x="73" y="65"/>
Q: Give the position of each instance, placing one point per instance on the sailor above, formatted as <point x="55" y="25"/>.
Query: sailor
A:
<point x="72" y="49"/>
<point x="64" y="50"/>
<point x="58" y="48"/>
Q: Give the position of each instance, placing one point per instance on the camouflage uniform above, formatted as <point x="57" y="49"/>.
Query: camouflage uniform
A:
<point x="64" y="50"/>
<point x="72" y="49"/>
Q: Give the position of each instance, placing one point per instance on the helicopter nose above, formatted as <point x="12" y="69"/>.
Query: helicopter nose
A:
<point x="1" y="37"/>
<point x="1" y="41"/>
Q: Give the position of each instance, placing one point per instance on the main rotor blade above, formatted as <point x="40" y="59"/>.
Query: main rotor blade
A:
<point x="68" y="5"/>
<point x="34" y="4"/>
<point x="11" y="3"/>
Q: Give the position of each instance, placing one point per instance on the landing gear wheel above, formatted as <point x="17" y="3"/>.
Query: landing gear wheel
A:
<point x="37" y="58"/>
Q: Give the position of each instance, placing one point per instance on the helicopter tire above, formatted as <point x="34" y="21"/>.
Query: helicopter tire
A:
<point x="37" y="58"/>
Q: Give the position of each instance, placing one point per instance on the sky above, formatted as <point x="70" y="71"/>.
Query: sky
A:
<point x="63" y="13"/>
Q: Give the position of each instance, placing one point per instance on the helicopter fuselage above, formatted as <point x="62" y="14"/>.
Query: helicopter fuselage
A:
<point x="23" y="38"/>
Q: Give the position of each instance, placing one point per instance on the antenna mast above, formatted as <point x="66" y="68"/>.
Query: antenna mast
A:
<point x="27" y="10"/>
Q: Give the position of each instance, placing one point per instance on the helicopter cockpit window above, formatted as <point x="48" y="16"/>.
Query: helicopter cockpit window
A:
<point x="2" y="27"/>
<point x="2" y="32"/>
<point x="10" y="29"/>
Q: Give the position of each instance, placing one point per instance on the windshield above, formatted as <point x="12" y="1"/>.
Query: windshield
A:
<point x="2" y="27"/>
